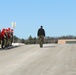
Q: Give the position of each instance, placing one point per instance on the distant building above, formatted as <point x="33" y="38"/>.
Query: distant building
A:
<point x="67" y="41"/>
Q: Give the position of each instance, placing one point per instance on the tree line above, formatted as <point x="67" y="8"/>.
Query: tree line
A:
<point x="34" y="40"/>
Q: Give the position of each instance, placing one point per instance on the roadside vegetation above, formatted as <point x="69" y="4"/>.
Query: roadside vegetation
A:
<point x="34" y="40"/>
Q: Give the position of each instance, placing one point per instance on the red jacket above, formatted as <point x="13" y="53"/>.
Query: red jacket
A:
<point x="2" y="36"/>
<point x="9" y="36"/>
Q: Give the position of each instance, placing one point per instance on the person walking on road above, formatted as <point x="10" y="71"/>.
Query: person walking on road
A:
<point x="41" y="35"/>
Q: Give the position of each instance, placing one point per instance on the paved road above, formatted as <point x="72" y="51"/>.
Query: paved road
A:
<point x="53" y="59"/>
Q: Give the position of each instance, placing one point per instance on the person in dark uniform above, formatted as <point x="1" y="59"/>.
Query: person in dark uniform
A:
<point x="41" y="35"/>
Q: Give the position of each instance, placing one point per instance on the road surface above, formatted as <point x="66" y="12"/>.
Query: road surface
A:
<point x="52" y="59"/>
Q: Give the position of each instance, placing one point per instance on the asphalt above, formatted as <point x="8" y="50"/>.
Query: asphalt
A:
<point x="52" y="59"/>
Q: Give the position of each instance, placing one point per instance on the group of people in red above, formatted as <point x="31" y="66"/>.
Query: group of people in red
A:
<point x="6" y="37"/>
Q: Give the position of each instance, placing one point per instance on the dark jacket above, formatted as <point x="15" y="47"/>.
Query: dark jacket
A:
<point x="41" y="31"/>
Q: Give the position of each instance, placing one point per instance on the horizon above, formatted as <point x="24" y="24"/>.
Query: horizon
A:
<point x="49" y="36"/>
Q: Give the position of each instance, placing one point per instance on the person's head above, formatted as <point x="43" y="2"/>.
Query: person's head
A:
<point x="41" y="26"/>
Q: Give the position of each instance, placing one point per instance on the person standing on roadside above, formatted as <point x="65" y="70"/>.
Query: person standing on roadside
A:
<point x="3" y="39"/>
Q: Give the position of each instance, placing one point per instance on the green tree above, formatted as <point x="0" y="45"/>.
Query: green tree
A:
<point x="30" y="39"/>
<point x="34" y="40"/>
<point x="22" y="41"/>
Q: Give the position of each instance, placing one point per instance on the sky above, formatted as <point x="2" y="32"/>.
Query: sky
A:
<point x="58" y="17"/>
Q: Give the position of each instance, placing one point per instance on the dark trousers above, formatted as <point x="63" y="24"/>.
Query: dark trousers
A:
<point x="2" y="43"/>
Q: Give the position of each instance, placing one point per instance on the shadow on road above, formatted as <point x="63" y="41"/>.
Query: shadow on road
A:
<point x="8" y="48"/>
